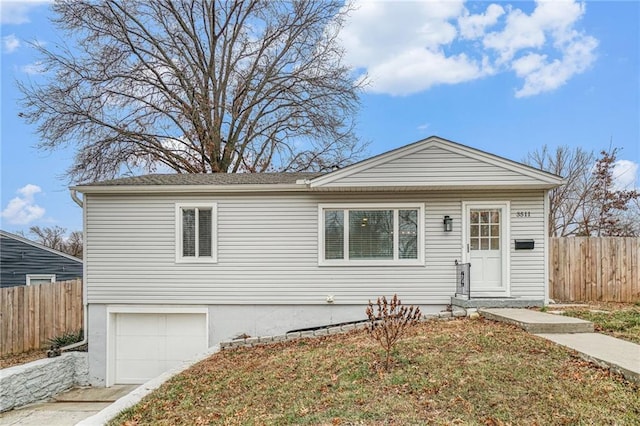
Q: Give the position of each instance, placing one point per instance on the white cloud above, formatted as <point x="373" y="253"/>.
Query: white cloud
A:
<point x="17" y="11"/>
<point x="542" y="75"/>
<point x="10" y="43"/>
<point x="23" y="209"/>
<point x="409" y="47"/>
<point x="625" y="175"/>
<point x="33" y="68"/>
<point x="474" y="26"/>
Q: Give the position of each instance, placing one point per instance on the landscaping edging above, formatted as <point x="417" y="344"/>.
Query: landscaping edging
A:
<point x="327" y="331"/>
<point x="42" y="379"/>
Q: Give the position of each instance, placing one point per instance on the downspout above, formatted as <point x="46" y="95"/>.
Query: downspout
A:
<point x="85" y="320"/>
<point x="547" y="249"/>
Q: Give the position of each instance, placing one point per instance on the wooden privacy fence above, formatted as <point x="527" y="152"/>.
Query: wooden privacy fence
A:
<point x="594" y="269"/>
<point x="30" y="315"/>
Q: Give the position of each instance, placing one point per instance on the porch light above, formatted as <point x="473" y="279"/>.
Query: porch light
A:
<point x="448" y="224"/>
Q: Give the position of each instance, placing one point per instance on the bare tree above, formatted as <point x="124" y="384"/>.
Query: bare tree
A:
<point x="588" y="204"/>
<point x="196" y="86"/>
<point x="55" y="237"/>
<point x="568" y="204"/>
<point x="74" y="245"/>
<point x="52" y="237"/>
<point x="610" y="203"/>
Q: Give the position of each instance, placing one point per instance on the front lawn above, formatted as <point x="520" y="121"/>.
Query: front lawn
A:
<point x="618" y="320"/>
<point x="451" y="372"/>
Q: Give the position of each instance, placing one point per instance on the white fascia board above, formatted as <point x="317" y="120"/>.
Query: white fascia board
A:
<point x="435" y="187"/>
<point x="186" y="189"/>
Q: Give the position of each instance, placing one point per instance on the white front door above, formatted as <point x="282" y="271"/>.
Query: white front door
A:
<point x="486" y="247"/>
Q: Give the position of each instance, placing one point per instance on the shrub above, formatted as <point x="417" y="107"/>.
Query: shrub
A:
<point x="66" y="339"/>
<point x="389" y="323"/>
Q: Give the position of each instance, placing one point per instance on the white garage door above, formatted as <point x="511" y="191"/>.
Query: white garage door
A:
<point x="147" y="345"/>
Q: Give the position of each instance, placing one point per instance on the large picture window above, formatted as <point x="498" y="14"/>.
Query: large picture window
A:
<point x="195" y="233"/>
<point x="371" y="234"/>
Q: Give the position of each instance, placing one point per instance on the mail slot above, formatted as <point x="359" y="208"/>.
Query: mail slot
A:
<point x="524" y="244"/>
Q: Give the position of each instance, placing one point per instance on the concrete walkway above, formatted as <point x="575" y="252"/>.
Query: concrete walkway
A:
<point x="536" y="322"/>
<point x="619" y="355"/>
<point x="66" y="409"/>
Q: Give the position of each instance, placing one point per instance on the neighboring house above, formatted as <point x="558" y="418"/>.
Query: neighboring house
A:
<point x="178" y="263"/>
<point x="25" y="262"/>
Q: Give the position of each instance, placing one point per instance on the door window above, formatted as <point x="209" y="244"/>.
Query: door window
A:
<point x="484" y="229"/>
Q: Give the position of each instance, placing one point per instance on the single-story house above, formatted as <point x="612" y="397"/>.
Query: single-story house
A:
<point x="25" y="262"/>
<point x="177" y="263"/>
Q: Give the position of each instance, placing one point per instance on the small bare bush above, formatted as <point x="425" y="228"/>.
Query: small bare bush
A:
<point x="389" y="322"/>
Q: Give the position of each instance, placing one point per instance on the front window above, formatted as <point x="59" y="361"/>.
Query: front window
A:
<point x="195" y="233"/>
<point x="371" y="234"/>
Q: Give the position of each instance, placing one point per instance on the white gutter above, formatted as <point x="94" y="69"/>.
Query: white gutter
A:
<point x="85" y="308"/>
<point x="190" y="189"/>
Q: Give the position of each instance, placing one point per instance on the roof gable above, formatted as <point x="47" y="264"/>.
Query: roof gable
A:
<point x="5" y="234"/>
<point x="436" y="163"/>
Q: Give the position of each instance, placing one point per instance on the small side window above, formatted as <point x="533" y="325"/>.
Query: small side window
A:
<point x="34" y="279"/>
<point x="195" y="233"/>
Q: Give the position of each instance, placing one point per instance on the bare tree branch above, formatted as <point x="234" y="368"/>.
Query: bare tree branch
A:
<point x="196" y="86"/>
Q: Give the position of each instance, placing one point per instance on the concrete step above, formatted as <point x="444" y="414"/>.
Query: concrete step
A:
<point x="537" y="322"/>
<point x="496" y="302"/>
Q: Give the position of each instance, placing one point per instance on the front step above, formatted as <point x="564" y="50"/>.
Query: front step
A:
<point x="538" y="322"/>
<point x="496" y="302"/>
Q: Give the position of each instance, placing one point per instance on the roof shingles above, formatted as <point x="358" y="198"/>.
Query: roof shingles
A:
<point x="210" y="179"/>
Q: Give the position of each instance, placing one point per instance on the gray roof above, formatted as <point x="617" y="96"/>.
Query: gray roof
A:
<point x="209" y="179"/>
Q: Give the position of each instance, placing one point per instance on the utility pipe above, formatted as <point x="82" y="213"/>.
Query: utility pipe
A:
<point x="85" y="319"/>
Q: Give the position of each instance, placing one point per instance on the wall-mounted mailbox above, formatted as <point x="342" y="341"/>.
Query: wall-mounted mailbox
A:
<point x="524" y="244"/>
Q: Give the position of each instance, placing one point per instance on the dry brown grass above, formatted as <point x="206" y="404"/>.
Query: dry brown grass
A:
<point x="7" y="361"/>
<point x="454" y="372"/>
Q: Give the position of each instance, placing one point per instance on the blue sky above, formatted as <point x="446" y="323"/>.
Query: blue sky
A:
<point x="503" y="77"/>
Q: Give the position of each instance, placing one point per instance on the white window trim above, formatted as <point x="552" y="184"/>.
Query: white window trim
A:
<point x="420" y="261"/>
<point x="214" y="232"/>
<point x="50" y="277"/>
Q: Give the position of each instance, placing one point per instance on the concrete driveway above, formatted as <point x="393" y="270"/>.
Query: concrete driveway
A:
<point x="66" y="409"/>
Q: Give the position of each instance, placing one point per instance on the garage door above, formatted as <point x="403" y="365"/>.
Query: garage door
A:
<point x="147" y="345"/>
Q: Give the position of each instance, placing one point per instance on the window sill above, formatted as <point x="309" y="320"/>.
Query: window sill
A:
<point x="196" y="260"/>
<point x="370" y="263"/>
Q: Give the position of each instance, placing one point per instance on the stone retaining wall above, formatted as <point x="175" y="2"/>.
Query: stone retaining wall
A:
<point x="265" y="340"/>
<point x="42" y="379"/>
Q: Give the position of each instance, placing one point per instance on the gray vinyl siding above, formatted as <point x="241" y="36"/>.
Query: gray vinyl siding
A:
<point x="19" y="259"/>
<point x="268" y="251"/>
<point x="432" y="166"/>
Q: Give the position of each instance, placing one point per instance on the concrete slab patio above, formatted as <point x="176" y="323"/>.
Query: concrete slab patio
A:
<point x="67" y="408"/>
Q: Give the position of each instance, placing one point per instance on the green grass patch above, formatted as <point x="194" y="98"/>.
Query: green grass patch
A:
<point x="619" y="321"/>
<point x="454" y="372"/>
